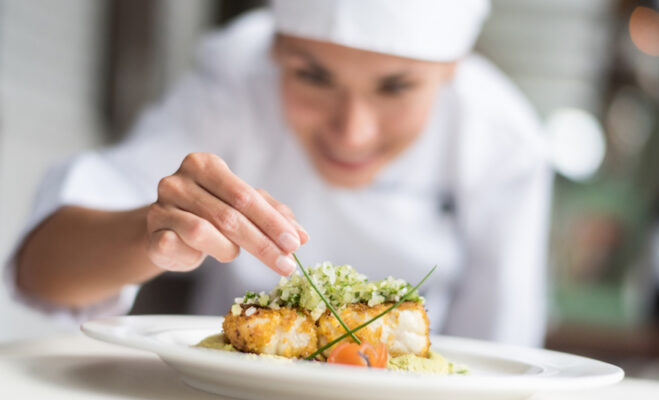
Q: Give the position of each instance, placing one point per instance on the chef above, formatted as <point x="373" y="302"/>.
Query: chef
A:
<point x="360" y="132"/>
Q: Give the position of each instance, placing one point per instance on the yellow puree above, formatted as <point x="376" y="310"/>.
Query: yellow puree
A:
<point x="216" y="342"/>
<point x="434" y="363"/>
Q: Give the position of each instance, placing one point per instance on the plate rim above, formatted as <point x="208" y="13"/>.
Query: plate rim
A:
<point x="105" y="329"/>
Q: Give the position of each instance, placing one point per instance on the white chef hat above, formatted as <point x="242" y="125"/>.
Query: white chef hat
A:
<point x="434" y="30"/>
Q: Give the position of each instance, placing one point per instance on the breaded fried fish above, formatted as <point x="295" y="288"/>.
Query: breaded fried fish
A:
<point x="404" y="330"/>
<point x="293" y="321"/>
<point x="284" y="332"/>
<point x="290" y="332"/>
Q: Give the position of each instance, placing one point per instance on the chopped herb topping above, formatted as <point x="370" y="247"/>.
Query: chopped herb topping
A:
<point x="341" y="285"/>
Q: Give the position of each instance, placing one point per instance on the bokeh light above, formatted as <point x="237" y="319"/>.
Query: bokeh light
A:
<point x="644" y="30"/>
<point x="630" y="121"/>
<point x="577" y="143"/>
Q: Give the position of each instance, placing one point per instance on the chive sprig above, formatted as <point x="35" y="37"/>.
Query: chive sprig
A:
<point x="327" y="303"/>
<point x="365" y="324"/>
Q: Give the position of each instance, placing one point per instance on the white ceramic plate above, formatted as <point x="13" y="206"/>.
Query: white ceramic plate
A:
<point x="497" y="371"/>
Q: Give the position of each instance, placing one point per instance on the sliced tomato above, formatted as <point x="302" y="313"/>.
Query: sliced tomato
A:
<point x="347" y="353"/>
<point x="379" y="360"/>
<point x="364" y="355"/>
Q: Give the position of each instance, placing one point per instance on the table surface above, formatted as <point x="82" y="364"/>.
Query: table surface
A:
<point x="76" y="367"/>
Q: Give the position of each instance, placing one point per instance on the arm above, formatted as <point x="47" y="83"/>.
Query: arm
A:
<point x="74" y="256"/>
<point x="80" y="256"/>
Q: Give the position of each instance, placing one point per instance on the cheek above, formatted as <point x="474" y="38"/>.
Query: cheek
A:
<point x="406" y="120"/>
<point x="305" y="110"/>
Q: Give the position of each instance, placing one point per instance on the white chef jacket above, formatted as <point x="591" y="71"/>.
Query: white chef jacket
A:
<point x="471" y="195"/>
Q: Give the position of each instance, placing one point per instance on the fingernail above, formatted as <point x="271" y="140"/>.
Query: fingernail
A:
<point x="304" y="236"/>
<point x="285" y="266"/>
<point x="288" y="242"/>
<point x="302" y="233"/>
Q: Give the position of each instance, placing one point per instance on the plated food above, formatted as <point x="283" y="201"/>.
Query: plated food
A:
<point x="496" y="371"/>
<point x="333" y="313"/>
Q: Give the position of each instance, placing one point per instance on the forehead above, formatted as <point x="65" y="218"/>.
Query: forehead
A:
<point x="337" y="57"/>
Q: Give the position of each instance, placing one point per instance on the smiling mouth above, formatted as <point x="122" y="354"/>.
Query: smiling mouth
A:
<point x="347" y="163"/>
<point x="356" y="164"/>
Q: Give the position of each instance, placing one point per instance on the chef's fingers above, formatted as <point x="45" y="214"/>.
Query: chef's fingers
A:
<point x="196" y="232"/>
<point x="169" y="252"/>
<point x="286" y="212"/>
<point x="231" y="223"/>
<point x="213" y="174"/>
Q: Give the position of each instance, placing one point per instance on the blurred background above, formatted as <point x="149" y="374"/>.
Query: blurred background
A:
<point x="74" y="74"/>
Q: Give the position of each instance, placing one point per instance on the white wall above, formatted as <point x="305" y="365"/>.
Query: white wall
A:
<point x="557" y="51"/>
<point x="50" y="81"/>
<point x="49" y="65"/>
<point x="181" y="24"/>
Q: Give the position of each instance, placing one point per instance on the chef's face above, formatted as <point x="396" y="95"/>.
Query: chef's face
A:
<point x="354" y="111"/>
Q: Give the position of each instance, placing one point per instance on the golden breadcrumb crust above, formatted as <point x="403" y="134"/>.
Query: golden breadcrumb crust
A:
<point x="256" y="332"/>
<point x="356" y="314"/>
<point x="291" y="332"/>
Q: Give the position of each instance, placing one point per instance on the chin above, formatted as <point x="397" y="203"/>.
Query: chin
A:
<point x="348" y="184"/>
<point x="347" y="180"/>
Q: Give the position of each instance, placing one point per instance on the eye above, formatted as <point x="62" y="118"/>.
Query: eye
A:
<point x="394" y="88"/>
<point x="316" y="78"/>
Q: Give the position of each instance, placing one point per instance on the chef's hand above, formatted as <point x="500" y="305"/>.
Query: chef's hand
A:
<point x="204" y="209"/>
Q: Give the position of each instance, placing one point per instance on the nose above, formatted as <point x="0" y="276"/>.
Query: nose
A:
<point x="354" y="125"/>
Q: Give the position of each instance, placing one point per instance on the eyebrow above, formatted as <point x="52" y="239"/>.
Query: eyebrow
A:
<point x="399" y="76"/>
<point x="318" y="66"/>
<point x="309" y="58"/>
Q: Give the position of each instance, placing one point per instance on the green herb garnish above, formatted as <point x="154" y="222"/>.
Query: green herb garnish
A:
<point x="341" y="285"/>
<point x="327" y="303"/>
<point x="365" y="324"/>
